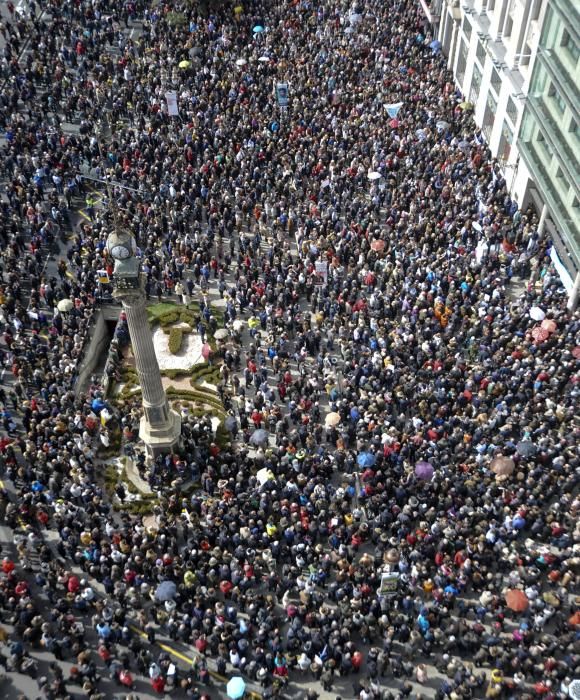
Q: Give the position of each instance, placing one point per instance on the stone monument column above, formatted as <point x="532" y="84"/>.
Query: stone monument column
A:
<point x="160" y="427"/>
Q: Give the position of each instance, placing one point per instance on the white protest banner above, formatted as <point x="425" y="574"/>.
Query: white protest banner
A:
<point x="172" y="108"/>
<point x="320" y="273"/>
<point x="282" y="94"/>
<point x="389" y="583"/>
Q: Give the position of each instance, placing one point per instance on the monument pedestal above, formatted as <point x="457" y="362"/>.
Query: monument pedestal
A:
<point x="161" y="439"/>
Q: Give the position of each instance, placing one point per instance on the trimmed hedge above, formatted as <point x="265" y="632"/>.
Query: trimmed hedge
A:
<point x="174" y="373"/>
<point x="199" y="396"/>
<point x="167" y="313"/>
<point x="175" y="340"/>
<point x="196" y="374"/>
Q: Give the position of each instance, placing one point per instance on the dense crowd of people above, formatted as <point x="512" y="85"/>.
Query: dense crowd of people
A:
<point x="397" y="415"/>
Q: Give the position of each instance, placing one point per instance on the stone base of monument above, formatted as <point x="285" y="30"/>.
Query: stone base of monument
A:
<point x="132" y="475"/>
<point x="163" y="439"/>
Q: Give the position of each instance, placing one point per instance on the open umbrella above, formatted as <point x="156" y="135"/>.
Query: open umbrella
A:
<point x="264" y="475"/>
<point x="206" y="351"/>
<point x="574" y="690"/>
<point x="97" y="405"/>
<point x="526" y="448"/>
<point x="366" y="459"/>
<point x="374" y="175"/>
<point x="465" y="105"/>
<point x="221" y="334"/>
<point x="184" y="64"/>
<point x="231" y="423"/>
<point x="435" y="46"/>
<point x="241" y="62"/>
<point x="377" y="245"/>
<point x="516" y="600"/>
<point x="65" y="305"/>
<point x="394" y="123"/>
<point x="502" y="466"/>
<point x="539" y="334"/>
<point x="332" y="419"/>
<point x="236" y="688"/>
<point x="166" y="590"/>
<point x="576" y="352"/>
<point x="424" y="471"/>
<point x="238" y="326"/>
<point x="485" y="598"/>
<point x="574" y="620"/>
<point x="442" y="125"/>
<point x="258" y="29"/>
<point x="537" y="314"/>
<point x="551" y="598"/>
<point x="548" y="325"/>
<point x="259" y="437"/>
<point x="264" y="59"/>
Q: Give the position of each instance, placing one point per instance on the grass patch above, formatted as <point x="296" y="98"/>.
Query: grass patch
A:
<point x="154" y="311"/>
<point x="175" y="340"/>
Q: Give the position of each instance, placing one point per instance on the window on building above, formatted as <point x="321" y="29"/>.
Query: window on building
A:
<point x="507" y="31"/>
<point x="475" y="83"/>
<point x="512" y="110"/>
<point x="556" y="99"/>
<point x="495" y="80"/>
<point x="461" y="62"/>
<point x="526" y="55"/>
<point x="539" y="81"/>
<point x="467" y="27"/>
<point x="505" y="142"/>
<point x="570" y="46"/>
<point x="573" y="126"/>
<point x="480" y="53"/>
<point x="489" y="116"/>
<point x="550" y="29"/>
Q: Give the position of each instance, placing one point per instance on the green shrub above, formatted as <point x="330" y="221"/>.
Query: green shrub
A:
<point x="175" y="340"/>
<point x="168" y="319"/>
<point x="222" y="436"/>
<point x="135" y="507"/>
<point x="176" y="19"/>
<point x="111" y="477"/>
<point x="188" y="316"/>
<point x="204" y="372"/>
<point x="174" y="373"/>
<point x="199" y="396"/>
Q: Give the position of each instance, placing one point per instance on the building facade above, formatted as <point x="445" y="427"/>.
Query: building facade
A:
<point x="517" y="61"/>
